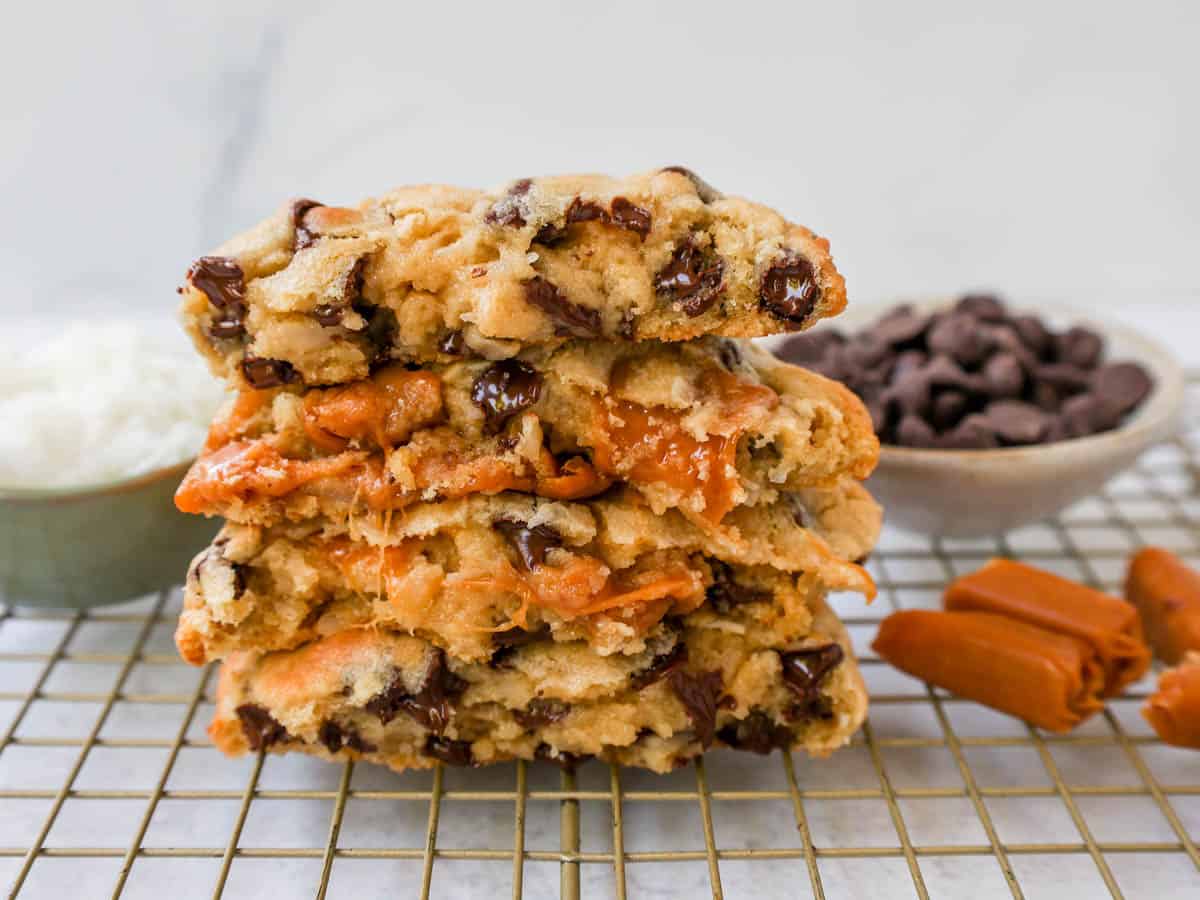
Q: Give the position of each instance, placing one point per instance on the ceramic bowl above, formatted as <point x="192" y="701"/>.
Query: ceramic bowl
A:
<point x="99" y="544"/>
<point x="975" y="493"/>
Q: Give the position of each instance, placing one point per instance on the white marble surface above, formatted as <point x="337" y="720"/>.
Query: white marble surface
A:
<point x="1045" y="149"/>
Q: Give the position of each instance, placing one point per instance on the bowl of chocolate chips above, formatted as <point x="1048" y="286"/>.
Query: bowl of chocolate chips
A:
<point x="992" y="417"/>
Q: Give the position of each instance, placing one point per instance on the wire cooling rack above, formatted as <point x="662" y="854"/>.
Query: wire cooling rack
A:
<point x="109" y="786"/>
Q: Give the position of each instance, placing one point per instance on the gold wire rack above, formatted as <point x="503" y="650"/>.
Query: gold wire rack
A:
<point x="109" y="787"/>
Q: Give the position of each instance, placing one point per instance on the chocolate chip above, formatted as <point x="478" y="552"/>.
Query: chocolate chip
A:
<point x="913" y="431"/>
<point x="452" y="753"/>
<point x="1086" y="414"/>
<point x="725" y="592"/>
<point x="540" y="712"/>
<point x="452" y="344"/>
<point x="531" y="543"/>
<point x="569" y="318"/>
<point x="1123" y="385"/>
<point x="430" y="705"/>
<point x="260" y="727"/>
<point x="335" y="737"/>
<point x="381" y="329"/>
<point x="1080" y="347"/>
<point x="869" y="352"/>
<point x="757" y="733"/>
<point x="507" y="643"/>
<point x="944" y="372"/>
<point x="972" y="433"/>
<point x="959" y="337"/>
<point x="1064" y="376"/>
<point x="220" y="279"/>
<point x="948" y="409"/>
<point x="510" y="210"/>
<point x="694" y="278"/>
<point x="909" y="395"/>
<point x="1003" y="375"/>
<point x="705" y="191"/>
<point x="634" y="218"/>
<point x="900" y="328"/>
<point x="984" y="307"/>
<point x="906" y="362"/>
<point x="809" y="347"/>
<point x="303" y="237"/>
<point x="264" y="373"/>
<point x="1034" y="334"/>
<point x="582" y="210"/>
<point x="505" y="389"/>
<point x="805" y="670"/>
<point x="329" y="314"/>
<point x="789" y="288"/>
<point x="699" y="693"/>
<point x="661" y="665"/>
<point x="228" y="326"/>
<point x="1016" y="422"/>
<point x="1046" y="396"/>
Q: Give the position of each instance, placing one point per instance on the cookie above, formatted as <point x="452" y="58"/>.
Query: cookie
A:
<point x="319" y="295"/>
<point x="470" y="576"/>
<point x="703" y="427"/>
<point x="394" y="699"/>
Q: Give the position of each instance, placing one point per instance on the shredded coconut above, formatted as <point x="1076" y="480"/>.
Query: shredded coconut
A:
<point x="101" y="402"/>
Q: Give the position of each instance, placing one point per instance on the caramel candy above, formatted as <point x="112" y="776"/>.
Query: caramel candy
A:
<point x="1167" y="595"/>
<point x="1174" y="709"/>
<point x="1018" y="591"/>
<point x="1050" y="680"/>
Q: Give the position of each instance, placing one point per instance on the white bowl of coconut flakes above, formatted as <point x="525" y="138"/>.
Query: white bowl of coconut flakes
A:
<point x="98" y="423"/>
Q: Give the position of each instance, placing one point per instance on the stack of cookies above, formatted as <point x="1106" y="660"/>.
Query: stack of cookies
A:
<point x="503" y="481"/>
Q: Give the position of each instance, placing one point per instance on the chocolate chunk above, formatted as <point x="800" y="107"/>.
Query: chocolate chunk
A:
<point x="959" y="337"/>
<point x="260" y="727"/>
<point x="268" y="373"/>
<point x="661" y="665"/>
<point x="984" y="307"/>
<point x="335" y="737"/>
<point x="1005" y="338"/>
<point x="1123" y="385"/>
<point x="303" y="237"/>
<point x="1068" y="378"/>
<point x="699" y="693"/>
<point x="869" y="352"/>
<point x="569" y="318"/>
<point x="505" y="389"/>
<point x="694" y="278"/>
<point x="948" y="409"/>
<point x="220" y="279"/>
<point x="789" y="288"/>
<point x="228" y="326"/>
<point x="331" y="314"/>
<point x="540" y="712"/>
<point x="430" y="705"/>
<point x="582" y="210"/>
<point x="757" y="733"/>
<point x="943" y="372"/>
<point x="1016" y="422"/>
<point x="805" y="670"/>
<point x="1003" y="376"/>
<point x="1086" y="414"/>
<point x="531" y="543"/>
<point x="1046" y="396"/>
<point x="510" y="210"/>
<point x="1078" y="346"/>
<point x="725" y="593"/>
<point x="705" y="191"/>
<point x="634" y="218"/>
<point x="452" y="344"/>
<point x="1034" y="334"/>
<point x="913" y="431"/>
<point x="452" y="753"/>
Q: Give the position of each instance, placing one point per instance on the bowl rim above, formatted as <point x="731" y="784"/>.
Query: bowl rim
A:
<point x="1163" y="405"/>
<point x="88" y="490"/>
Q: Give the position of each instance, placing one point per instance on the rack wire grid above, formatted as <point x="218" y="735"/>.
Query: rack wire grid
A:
<point x="109" y="787"/>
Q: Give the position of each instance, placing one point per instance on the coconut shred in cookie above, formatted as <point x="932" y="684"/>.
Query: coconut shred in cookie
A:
<point x="98" y="403"/>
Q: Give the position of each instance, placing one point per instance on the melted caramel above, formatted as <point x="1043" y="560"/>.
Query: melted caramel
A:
<point x="385" y="409"/>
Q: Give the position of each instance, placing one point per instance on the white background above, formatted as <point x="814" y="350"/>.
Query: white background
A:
<point x="1048" y="150"/>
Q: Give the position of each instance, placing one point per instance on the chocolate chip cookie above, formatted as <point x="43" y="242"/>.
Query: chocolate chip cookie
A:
<point x="319" y="295"/>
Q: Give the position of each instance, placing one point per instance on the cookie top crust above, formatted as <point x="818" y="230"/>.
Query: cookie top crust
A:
<point x="318" y="294"/>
